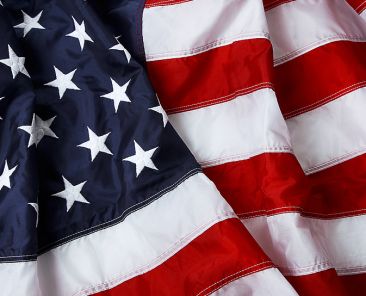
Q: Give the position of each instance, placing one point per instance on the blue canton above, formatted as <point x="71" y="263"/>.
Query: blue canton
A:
<point x="84" y="141"/>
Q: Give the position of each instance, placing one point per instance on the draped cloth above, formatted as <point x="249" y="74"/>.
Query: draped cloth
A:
<point x="168" y="147"/>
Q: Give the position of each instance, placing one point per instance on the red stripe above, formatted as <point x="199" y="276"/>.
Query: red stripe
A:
<point x="320" y="76"/>
<point x="270" y="4"/>
<point x="358" y="5"/>
<point x="342" y="187"/>
<point x="211" y="77"/>
<point x="219" y="255"/>
<point x="325" y="283"/>
<point x="274" y="183"/>
<point x="355" y="284"/>
<point x="152" y="3"/>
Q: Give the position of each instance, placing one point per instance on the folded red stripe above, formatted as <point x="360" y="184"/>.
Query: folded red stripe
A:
<point x="274" y="183"/>
<point x="219" y="255"/>
<point x="320" y="76"/>
<point x="212" y="77"/>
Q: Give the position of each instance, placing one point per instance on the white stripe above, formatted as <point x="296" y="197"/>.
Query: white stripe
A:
<point x="363" y="14"/>
<point x="196" y="26"/>
<point x="331" y="133"/>
<point x="303" y="25"/>
<point x="300" y="245"/>
<point x="144" y="240"/>
<point x="263" y="283"/>
<point x="19" y="279"/>
<point x="241" y="128"/>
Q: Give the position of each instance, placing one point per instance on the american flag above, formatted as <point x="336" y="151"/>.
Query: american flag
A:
<point x="248" y="179"/>
<point x="270" y="98"/>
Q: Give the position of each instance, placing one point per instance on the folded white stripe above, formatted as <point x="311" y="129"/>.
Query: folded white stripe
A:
<point x="331" y="133"/>
<point x="145" y="239"/>
<point x="300" y="245"/>
<point x="302" y="25"/>
<point x="196" y="26"/>
<point x="363" y="15"/>
<point x="238" y="129"/>
<point x="263" y="283"/>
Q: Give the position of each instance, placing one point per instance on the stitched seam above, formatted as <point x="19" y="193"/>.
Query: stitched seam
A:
<point x="241" y="156"/>
<point x="165" y="3"/>
<point x="334" y="161"/>
<point x="303" y="215"/>
<point x="312" y="267"/>
<point x="168" y="253"/>
<point x="351" y="270"/>
<point x="233" y="274"/>
<point x="325" y="100"/>
<point x="248" y="215"/>
<point x="314" y="45"/>
<point x="221" y="99"/>
<point x="362" y="9"/>
<point x="359" y="6"/>
<point x="208" y="46"/>
<point x="225" y="98"/>
<point x="34" y="260"/>
<point x="144" y="203"/>
<point x="353" y="267"/>
<point x="18" y="256"/>
<point x="238" y="277"/>
<point x="301" y="211"/>
<point x="275" y="4"/>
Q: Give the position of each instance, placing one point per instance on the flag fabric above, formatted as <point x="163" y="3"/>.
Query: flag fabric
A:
<point x="99" y="194"/>
<point x="269" y="98"/>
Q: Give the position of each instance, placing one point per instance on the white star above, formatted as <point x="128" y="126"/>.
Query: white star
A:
<point x="142" y="159"/>
<point x="5" y="176"/>
<point x="63" y="82"/>
<point x="160" y="110"/>
<point x="35" y="207"/>
<point x="38" y="129"/>
<point x="120" y="47"/>
<point x="15" y="63"/>
<point x="30" y="23"/>
<point x="118" y="94"/>
<point x="71" y="193"/>
<point x="80" y="33"/>
<point x="96" y="144"/>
